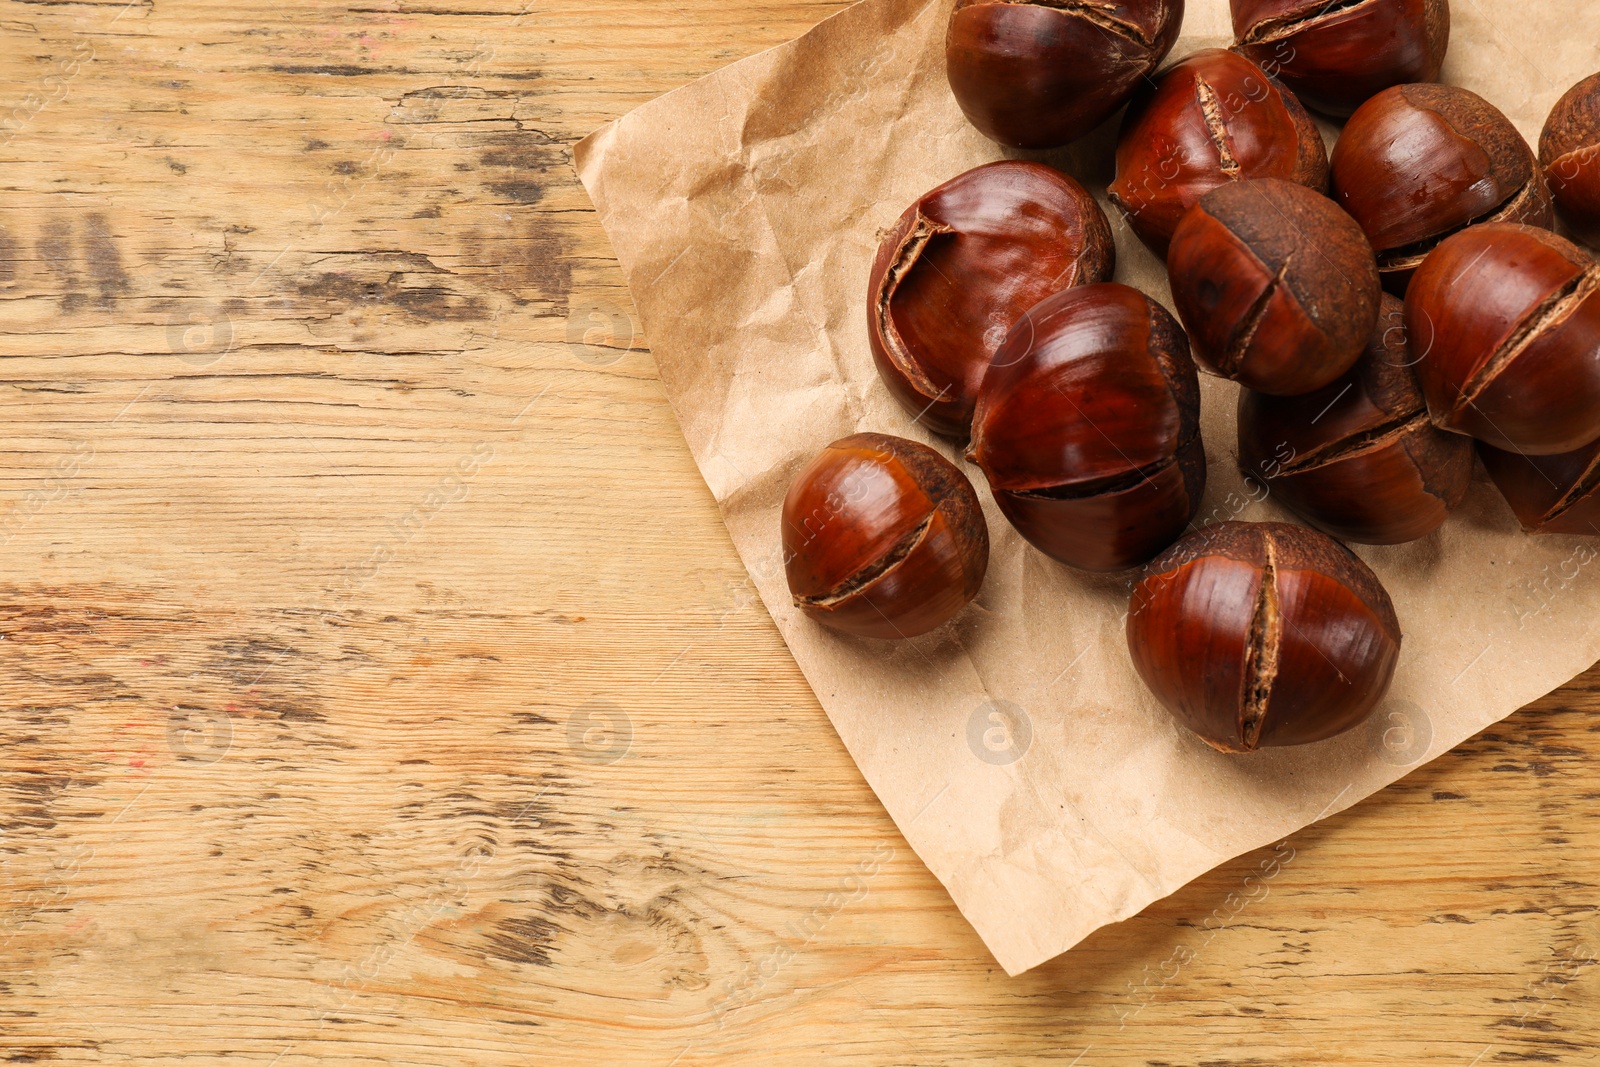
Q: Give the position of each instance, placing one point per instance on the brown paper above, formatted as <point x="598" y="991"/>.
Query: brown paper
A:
<point x="1016" y="749"/>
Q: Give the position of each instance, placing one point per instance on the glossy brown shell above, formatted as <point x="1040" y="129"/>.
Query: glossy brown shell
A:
<point x="1549" y="494"/>
<point x="1359" y="458"/>
<point x="883" y="537"/>
<point x="1259" y="635"/>
<point x="1418" y="163"/>
<point x="1336" y="55"/>
<point x="1507" y="319"/>
<point x="1569" y="151"/>
<point x="1088" y="428"/>
<point x="1212" y="118"/>
<point x="1042" y="74"/>
<point x="961" y="265"/>
<point x="1276" y="286"/>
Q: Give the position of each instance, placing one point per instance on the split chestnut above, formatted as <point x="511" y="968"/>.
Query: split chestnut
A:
<point x="1508" y="320"/>
<point x="1260" y="635"/>
<point x="961" y="265"/>
<point x="1212" y="118"/>
<point x="1550" y="494"/>
<point x="1088" y="428"/>
<point x="1276" y="285"/>
<point x="1337" y="54"/>
<point x="1418" y="163"/>
<point x="883" y="537"/>
<point x="1042" y="73"/>
<point x="1359" y="458"/>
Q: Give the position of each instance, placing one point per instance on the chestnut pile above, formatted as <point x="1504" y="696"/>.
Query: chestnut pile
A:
<point x="1390" y="311"/>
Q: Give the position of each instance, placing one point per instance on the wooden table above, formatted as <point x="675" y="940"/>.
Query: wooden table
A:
<point x="380" y="686"/>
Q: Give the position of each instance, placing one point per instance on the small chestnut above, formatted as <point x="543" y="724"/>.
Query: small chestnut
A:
<point x="1569" y="149"/>
<point x="1359" y="458"/>
<point x="883" y="537"/>
<point x="1417" y="163"/>
<point x="961" y="265"/>
<point x="1276" y="285"/>
<point x="1506" y="320"/>
<point x="1042" y="73"/>
<point x="1335" y="55"/>
<point x="1212" y="118"/>
<point x="1088" y="428"/>
<point x="1258" y="635"/>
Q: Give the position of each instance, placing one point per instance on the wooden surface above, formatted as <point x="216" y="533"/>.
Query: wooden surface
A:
<point x="380" y="686"/>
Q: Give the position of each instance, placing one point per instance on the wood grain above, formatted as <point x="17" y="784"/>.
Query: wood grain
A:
<point x="380" y="686"/>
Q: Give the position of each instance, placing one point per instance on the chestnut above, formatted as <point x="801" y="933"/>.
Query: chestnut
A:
<point x="883" y="537"/>
<point x="1507" y="322"/>
<point x="1569" y="149"/>
<point x="1276" y="285"/>
<point x="1359" y="458"/>
<point x="1212" y="118"/>
<point x="1042" y="73"/>
<point x="961" y="265"/>
<point x="1549" y="494"/>
<point x="1088" y="428"/>
<point x="1418" y="163"/>
<point x="1259" y="635"/>
<point x="1336" y="55"/>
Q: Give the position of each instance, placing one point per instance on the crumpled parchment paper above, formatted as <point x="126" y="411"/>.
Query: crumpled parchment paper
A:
<point x="1016" y="749"/>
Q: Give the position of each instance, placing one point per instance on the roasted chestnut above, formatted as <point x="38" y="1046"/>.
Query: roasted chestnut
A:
<point x="1569" y="149"/>
<point x="961" y="265"/>
<point x="1417" y="163"/>
<point x="1212" y="118"/>
<point x="1359" y="458"/>
<point x="883" y="537"/>
<point x="1506" y="320"/>
<point x="1276" y="285"/>
<point x="1258" y="635"/>
<point x="1549" y="494"/>
<point x="1041" y="73"/>
<point x="1088" y="428"/>
<point x="1336" y="53"/>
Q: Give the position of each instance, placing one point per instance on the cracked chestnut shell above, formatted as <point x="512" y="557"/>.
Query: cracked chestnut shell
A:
<point x="1261" y="635"/>
<point x="1418" y="163"/>
<point x="1569" y="150"/>
<point x="1549" y="494"/>
<point x="1088" y="428"/>
<point x="1359" y="458"/>
<point x="883" y="537"/>
<point x="1212" y="118"/>
<point x="1042" y="73"/>
<point x="1335" y="54"/>
<point x="1507" y="322"/>
<point x="961" y="265"/>
<point x="1276" y="286"/>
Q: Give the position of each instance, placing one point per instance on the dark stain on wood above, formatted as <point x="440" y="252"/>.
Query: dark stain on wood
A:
<point x="59" y="254"/>
<point x="335" y="70"/>
<point x="519" y="191"/>
<point x="517" y="164"/>
<point x="104" y="261"/>
<point x="435" y="303"/>
<point x="528" y="263"/>
<point x="261" y="670"/>
<point x="89" y="264"/>
<point x="522" y="941"/>
<point x="9" y="257"/>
